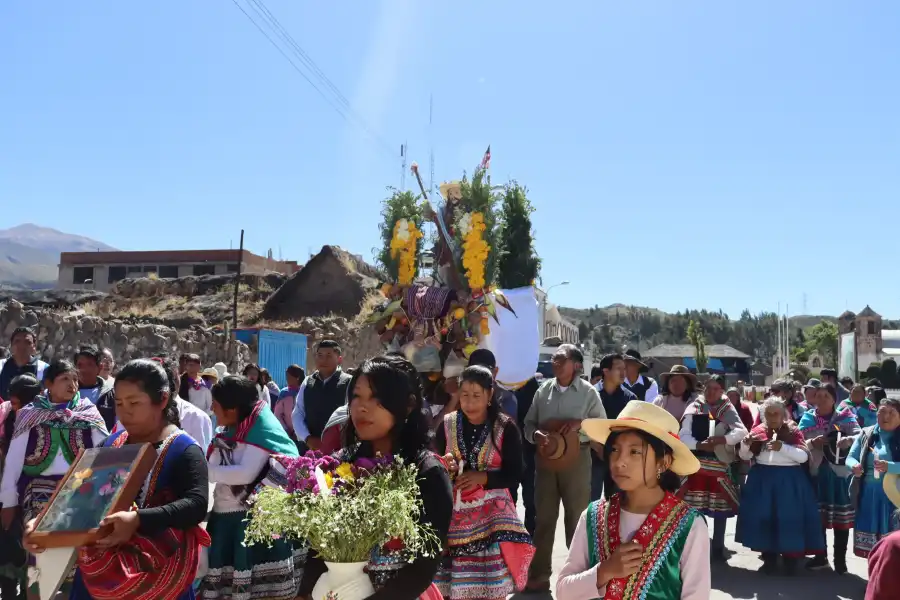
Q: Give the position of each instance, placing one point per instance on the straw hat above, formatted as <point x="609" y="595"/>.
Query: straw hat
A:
<point x="891" y="485"/>
<point x="210" y="372"/>
<point x="677" y="370"/>
<point x="563" y="450"/>
<point x="653" y="420"/>
<point x="450" y="187"/>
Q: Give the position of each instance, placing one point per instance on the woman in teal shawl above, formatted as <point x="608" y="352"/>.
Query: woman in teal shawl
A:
<point x="238" y="462"/>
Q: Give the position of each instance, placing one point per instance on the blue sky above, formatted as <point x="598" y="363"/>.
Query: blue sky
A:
<point x="679" y="154"/>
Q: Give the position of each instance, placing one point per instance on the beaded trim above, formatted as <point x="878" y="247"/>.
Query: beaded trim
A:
<point x="486" y="452"/>
<point x="157" y="465"/>
<point x="665" y="524"/>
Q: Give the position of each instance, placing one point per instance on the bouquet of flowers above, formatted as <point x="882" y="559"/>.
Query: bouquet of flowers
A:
<point x="344" y="510"/>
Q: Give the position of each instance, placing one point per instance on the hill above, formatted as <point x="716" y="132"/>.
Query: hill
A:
<point x="643" y="327"/>
<point x="29" y="254"/>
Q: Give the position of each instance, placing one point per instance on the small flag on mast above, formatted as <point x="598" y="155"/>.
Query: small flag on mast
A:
<point x="486" y="161"/>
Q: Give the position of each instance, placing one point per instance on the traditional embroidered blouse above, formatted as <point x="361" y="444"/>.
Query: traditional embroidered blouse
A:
<point x="676" y="562"/>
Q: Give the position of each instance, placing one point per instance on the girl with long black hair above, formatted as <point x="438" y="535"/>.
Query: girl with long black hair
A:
<point x="387" y="418"/>
<point x="488" y="548"/>
<point x="643" y="540"/>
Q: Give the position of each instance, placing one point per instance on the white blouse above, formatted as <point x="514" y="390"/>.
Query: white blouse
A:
<point x="578" y="582"/>
<point x="788" y="456"/>
<point x="249" y="462"/>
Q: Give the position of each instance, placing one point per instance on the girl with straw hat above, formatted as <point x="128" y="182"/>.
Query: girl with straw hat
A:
<point x="643" y="541"/>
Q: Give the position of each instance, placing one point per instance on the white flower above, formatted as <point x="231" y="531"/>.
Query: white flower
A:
<point x="464" y="224"/>
<point x="403" y="230"/>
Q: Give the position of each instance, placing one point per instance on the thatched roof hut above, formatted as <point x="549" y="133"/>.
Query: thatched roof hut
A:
<point x="333" y="282"/>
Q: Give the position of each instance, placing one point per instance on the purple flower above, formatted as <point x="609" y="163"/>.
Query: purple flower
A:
<point x="366" y="464"/>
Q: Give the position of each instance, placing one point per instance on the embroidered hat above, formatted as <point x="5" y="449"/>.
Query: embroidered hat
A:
<point x="653" y="420"/>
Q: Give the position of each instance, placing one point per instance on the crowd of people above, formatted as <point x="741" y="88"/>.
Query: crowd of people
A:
<point x="643" y="471"/>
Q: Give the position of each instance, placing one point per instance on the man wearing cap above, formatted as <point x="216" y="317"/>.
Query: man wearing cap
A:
<point x="635" y="382"/>
<point x="504" y="398"/>
<point x="559" y="407"/>
<point x="829" y="375"/>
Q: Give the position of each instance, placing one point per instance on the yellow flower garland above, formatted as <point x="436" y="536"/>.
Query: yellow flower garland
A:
<point x="405" y="250"/>
<point x="475" y="252"/>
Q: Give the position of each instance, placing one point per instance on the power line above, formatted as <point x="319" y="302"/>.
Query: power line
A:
<point x="336" y="99"/>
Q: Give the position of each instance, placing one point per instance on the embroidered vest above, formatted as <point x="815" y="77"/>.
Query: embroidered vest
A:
<point x="662" y="536"/>
<point x="484" y="456"/>
<point x="44" y="442"/>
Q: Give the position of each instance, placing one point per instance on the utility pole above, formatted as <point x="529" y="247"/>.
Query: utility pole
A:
<point x="431" y="140"/>
<point x="237" y="283"/>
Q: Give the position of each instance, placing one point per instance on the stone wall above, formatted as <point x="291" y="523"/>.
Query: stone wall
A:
<point x="60" y="333"/>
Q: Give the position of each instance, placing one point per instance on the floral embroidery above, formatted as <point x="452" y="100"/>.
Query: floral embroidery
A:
<point x="662" y="527"/>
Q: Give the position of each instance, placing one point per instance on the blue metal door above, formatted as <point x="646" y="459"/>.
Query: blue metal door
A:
<point x="280" y="349"/>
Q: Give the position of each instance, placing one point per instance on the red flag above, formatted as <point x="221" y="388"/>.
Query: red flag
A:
<point x="486" y="161"/>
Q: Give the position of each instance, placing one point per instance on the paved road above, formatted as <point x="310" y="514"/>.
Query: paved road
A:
<point x="739" y="579"/>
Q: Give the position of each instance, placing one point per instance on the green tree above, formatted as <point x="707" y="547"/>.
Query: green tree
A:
<point x="519" y="265"/>
<point x="583" y="331"/>
<point x="695" y="336"/>
<point x="889" y="373"/>
<point x="823" y="338"/>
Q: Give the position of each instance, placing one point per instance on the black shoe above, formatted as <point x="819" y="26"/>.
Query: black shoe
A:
<point x="790" y="566"/>
<point x="840" y="566"/>
<point x="818" y="563"/>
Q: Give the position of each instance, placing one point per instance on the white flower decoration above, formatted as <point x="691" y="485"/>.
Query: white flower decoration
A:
<point x="464" y="224"/>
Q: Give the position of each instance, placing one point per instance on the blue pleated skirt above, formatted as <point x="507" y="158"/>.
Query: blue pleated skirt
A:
<point x="779" y="512"/>
<point x="833" y="493"/>
<point x="873" y="517"/>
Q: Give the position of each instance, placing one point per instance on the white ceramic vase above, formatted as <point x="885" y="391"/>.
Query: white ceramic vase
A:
<point x="346" y="581"/>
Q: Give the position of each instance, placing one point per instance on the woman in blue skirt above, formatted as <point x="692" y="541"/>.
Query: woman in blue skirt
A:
<point x="779" y="513"/>
<point x="829" y="434"/>
<point x="873" y="455"/>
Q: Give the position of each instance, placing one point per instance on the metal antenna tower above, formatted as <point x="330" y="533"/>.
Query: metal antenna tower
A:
<point x="431" y="140"/>
<point x="804" y="303"/>
<point x="403" y="167"/>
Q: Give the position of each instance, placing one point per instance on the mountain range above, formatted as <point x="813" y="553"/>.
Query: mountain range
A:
<point x="29" y="254"/>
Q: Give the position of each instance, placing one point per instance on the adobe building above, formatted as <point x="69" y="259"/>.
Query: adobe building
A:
<point x="101" y="270"/>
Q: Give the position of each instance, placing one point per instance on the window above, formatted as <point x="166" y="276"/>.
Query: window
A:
<point x="135" y="269"/>
<point x="871" y="325"/>
<point x="150" y="269"/>
<point x="233" y="268"/>
<point x="168" y="271"/>
<point x="116" y="274"/>
<point x="82" y="275"/>
<point x="204" y="270"/>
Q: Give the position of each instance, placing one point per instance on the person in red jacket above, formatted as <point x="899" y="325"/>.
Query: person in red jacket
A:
<point x="884" y="569"/>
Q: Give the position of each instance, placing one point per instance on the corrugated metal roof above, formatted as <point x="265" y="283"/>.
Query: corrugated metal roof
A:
<point x="687" y="351"/>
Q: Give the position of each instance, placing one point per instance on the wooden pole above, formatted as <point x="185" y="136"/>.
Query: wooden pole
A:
<point x="237" y="283"/>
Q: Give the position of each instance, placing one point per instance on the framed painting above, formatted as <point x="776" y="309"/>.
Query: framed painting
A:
<point x="99" y="482"/>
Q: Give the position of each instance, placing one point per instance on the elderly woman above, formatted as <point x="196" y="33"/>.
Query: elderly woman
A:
<point x="829" y="434"/>
<point x="779" y="514"/>
<point x="874" y="453"/>
<point x="678" y="389"/>
<point x="711" y="427"/>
